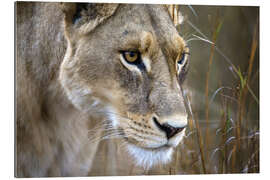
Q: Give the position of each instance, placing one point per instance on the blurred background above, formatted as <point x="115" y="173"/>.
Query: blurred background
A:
<point x="221" y="92"/>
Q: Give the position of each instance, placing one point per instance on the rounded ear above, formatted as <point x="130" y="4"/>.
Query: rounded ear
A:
<point x="82" y="18"/>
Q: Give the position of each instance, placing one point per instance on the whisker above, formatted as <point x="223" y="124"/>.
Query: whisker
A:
<point x="143" y="138"/>
<point x="113" y="113"/>
<point x="122" y="143"/>
<point x="113" y="135"/>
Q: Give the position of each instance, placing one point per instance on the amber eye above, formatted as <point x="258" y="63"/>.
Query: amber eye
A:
<point x="131" y="56"/>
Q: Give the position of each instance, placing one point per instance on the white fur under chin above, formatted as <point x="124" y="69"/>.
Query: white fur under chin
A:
<point x="148" y="158"/>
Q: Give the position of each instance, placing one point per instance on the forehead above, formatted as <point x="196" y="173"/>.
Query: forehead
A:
<point x="133" y="17"/>
<point x="137" y="18"/>
<point x="131" y="20"/>
<point x="143" y="16"/>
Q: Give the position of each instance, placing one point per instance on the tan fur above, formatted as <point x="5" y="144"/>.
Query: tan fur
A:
<point x="69" y="77"/>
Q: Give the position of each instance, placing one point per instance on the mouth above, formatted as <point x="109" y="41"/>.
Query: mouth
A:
<point x="163" y="147"/>
<point x="147" y="156"/>
<point x="156" y="149"/>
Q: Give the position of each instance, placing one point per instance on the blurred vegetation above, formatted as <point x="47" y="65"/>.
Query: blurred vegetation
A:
<point x="221" y="91"/>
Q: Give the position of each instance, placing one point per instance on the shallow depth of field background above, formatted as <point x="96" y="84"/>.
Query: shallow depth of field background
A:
<point x="222" y="97"/>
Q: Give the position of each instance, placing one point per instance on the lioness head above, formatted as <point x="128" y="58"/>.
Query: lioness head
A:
<point x="128" y="62"/>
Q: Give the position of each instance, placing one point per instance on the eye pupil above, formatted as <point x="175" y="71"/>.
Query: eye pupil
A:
<point x="131" y="56"/>
<point x="181" y="61"/>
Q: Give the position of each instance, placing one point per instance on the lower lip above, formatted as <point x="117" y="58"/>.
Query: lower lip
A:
<point x="160" y="148"/>
<point x="163" y="147"/>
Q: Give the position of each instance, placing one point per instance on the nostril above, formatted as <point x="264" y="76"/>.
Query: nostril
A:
<point x="168" y="129"/>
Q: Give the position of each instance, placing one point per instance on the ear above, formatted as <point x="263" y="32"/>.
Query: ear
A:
<point x="82" y="18"/>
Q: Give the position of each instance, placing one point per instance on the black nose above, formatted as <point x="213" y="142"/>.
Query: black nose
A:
<point x="168" y="129"/>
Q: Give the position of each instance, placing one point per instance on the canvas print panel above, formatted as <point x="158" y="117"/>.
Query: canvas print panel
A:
<point x="136" y="89"/>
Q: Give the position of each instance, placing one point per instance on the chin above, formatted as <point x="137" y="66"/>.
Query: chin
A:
<point x="149" y="157"/>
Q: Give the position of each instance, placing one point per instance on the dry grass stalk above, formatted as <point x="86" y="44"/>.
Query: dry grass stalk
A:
<point x="214" y="38"/>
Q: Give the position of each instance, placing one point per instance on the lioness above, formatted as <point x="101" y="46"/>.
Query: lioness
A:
<point x="90" y="71"/>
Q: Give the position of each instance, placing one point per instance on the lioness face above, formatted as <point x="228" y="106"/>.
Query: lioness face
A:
<point x="130" y="68"/>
